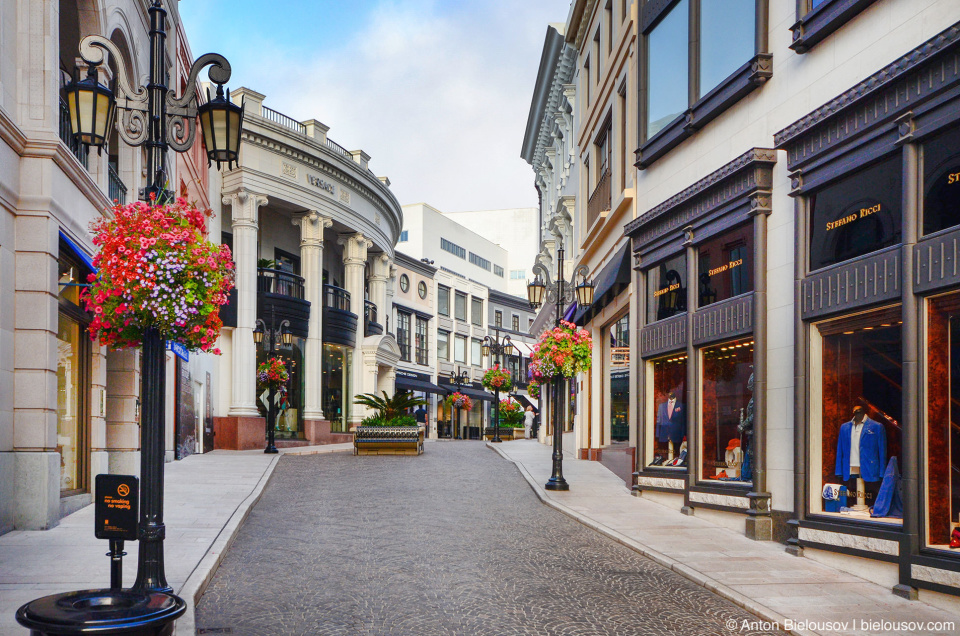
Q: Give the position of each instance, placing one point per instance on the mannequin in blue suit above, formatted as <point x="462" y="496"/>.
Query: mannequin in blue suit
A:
<point x="671" y="425"/>
<point x="872" y="451"/>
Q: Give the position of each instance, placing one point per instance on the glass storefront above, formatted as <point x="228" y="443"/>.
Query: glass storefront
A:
<point x="856" y="446"/>
<point x="666" y="446"/>
<point x="619" y="369"/>
<point x="727" y="411"/>
<point x="725" y="266"/>
<point x="290" y="404"/>
<point x="337" y="390"/>
<point x="856" y="215"/>
<point x="667" y="289"/>
<point x="942" y="466"/>
<point x="70" y="420"/>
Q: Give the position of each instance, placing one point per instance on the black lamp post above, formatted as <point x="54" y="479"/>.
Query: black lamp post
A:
<point x="498" y="348"/>
<point x="459" y="379"/>
<point x="153" y="116"/>
<point x="273" y="335"/>
<point x="557" y="292"/>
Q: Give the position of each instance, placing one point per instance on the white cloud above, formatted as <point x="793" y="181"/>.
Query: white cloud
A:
<point x="439" y="99"/>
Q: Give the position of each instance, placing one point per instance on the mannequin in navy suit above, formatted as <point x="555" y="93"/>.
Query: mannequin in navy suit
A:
<point x="869" y="459"/>
<point x="671" y="420"/>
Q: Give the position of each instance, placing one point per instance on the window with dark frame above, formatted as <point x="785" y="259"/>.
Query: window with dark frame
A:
<point x="403" y="335"/>
<point x="817" y="19"/>
<point x="421" y="343"/>
<point x="460" y="306"/>
<point x="498" y="319"/>
<point x="608" y="17"/>
<point x="460" y="349"/>
<point x="443" y="300"/>
<point x="476" y="311"/>
<point x="515" y="322"/>
<point x="941" y="181"/>
<point x="443" y="345"/>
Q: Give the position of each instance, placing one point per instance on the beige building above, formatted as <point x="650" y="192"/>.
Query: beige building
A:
<point x="791" y="220"/>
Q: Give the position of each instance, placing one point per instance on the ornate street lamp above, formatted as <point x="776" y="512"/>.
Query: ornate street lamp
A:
<point x="498" y="348"/>
<point x="274" y="336"/>
<point x="540" y="290"/>
<point x="459" y="379"/>
<point x="152" y="116"/>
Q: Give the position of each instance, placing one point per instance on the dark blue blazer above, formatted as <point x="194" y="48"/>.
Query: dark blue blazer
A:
<point x="671" y="428"/>
<point x="873" y="450"/>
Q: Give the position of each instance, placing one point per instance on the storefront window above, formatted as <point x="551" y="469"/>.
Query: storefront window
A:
<point x="619" y="365"/>
<point x="290" y="405"/>
<point x="942" y="462"/>
<point x="726" y="266"/>
<point x="855" y="463"/>
<point x="70" y="427"/>
<point x="857" y="215"/>
<point x="667" y="446"/>
<point x="727" y="412"/>
<point x="667" y="66"/>
<point x="667" y="289"/>
<point x="337" y="390"/>
<point x="941" y="182"/>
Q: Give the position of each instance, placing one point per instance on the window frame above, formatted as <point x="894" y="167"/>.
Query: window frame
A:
<point x="702" y="108"/>
<point x="422" y="341"/>
<point x="456" y="310"/>
<point x="443" y="336"/>
<point x="498" y="318"/>
<point x="476" y="316"/>
<point x="814" y="25"/>
<point x="443" y="292"/>
<point x="403" y="335"/>
<point x="457" y="338"/>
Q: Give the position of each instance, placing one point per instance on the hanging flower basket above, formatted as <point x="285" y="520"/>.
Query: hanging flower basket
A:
<point x="511" y="414"/>
<point x="460" y="401"/>
<point x="272" y="374"/>
<point x="562" y="351"/>
<point x="497" y="379"/>
<point x="533" y="390"/>
<point x="156" y="269"/>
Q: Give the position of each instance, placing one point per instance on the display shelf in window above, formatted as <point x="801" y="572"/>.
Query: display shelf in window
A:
<point x="855" y="425"/>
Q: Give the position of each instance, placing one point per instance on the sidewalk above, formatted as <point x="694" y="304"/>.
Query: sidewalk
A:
<point x="206" y="499"/>
<point x="758" y="576"/>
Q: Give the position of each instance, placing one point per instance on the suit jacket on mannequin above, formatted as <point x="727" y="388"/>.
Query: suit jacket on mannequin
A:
<point x="674" y="427"/>
<point x="873" y="450"/>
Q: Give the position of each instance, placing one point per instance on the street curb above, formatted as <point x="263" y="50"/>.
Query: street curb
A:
<point x="196" y="584"/>
<point x="701" y="579"/>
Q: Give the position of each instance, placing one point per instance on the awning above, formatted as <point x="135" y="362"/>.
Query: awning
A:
<point x="571" y="310"/>
<point x="525" y="401"/>
<point x="408" y="384"/>
<point x="76" y="249"/>
<point x="523" y="349"/>
<point x="612" y="280"/>
<point x="477" y="394"/>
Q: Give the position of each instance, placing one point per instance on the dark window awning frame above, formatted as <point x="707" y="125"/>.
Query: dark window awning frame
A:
<point x="613" y="279"/>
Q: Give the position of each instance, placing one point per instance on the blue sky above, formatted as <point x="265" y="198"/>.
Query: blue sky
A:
<point x="436" y="91"/>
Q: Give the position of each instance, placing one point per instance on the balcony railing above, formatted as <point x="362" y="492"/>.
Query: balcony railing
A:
<point x="371" y="326"/>
<point x="79" y="151"/>
<point x="284" y="120"/>
<point x="336" y="298"/>
<point x="117" y="191"/>
<point x="340" y="150"/>
<point x="600" y="199"/>
<point x="275" y="281"/>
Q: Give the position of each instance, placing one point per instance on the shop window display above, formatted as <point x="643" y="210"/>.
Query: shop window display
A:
<point x="667" y="289"/>
<point x="669" y="446"/>
<point x="620" y="380"/>
<point x="943" y="422"/>
<point x="337" y="389"/>
<point x="290" y="400"/>
<point x="860" y="429"/>
<point x="727" y="412"/>
<point x="725" y="266"/>
<point x="857" y="215"/>
<point x="941" y="182"/>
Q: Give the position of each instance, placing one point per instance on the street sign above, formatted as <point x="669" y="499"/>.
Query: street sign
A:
<point x="116" y="507"/>
<point x="179" y="350"/>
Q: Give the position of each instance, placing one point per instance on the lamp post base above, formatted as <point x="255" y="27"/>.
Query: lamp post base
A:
<point x="271" y="450"/>
<point x="557" y="483"/>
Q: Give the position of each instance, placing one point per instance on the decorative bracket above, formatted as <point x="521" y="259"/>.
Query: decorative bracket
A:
<point x="182" y="111"/>
<point x="132" y="104"/>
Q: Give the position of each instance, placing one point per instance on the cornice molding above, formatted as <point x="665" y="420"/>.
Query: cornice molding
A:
<point x="737" y="179"/>
<point x="10" y="133"/>
<point x="889" y="75"/>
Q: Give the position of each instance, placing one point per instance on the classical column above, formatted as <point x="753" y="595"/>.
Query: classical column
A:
<point x="380" y="266"/>
<point x="312" y="226"/>
<point x="355" y="248"/>
<point x="245" y="208"/>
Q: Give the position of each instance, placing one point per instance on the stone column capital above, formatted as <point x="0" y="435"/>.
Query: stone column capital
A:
<point x="312" y="224"/>
<point x="355" y="248"/>
<point x="380" y="266"/>
<point x="245" y="207"/>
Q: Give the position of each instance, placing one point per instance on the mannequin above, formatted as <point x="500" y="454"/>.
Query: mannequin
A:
<point x="862" y="456"/>
<point x="671" y="426"/>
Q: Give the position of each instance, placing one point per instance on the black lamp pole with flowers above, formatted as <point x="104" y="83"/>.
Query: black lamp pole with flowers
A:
<point x="459" y="379"/>
<point x="153" y="116"/>
<point x="498" y="347"/>
<point x="274" y="335"/>
<point x="540" y="290"/>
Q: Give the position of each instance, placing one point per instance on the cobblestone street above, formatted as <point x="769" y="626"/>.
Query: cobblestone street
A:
<point x="451" y="542"/>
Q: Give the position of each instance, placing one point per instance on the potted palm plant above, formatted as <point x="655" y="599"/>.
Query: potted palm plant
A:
<point x="390" y="430"/>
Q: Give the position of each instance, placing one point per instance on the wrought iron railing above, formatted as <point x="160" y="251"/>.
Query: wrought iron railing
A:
<point x="600" y="199"/>
<point x="80" y="151"/>
<point x="336" y="298"/>
<point x="116" y="189"/>
<point x="337" y="148"/>
<point x="284" y="120"/>
<point x="369" y="311"/>
<point x="275" y="281"/>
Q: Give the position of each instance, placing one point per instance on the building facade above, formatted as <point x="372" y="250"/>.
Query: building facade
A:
<point x="71" y="410"/>
<point x="312" y="230"/>
<point x="791" y="277"/>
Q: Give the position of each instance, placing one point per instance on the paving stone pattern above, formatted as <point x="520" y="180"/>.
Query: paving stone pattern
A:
<point x="450" y="542"/>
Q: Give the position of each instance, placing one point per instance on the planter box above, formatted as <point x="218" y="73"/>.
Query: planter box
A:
<point x="388" y="440"/>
